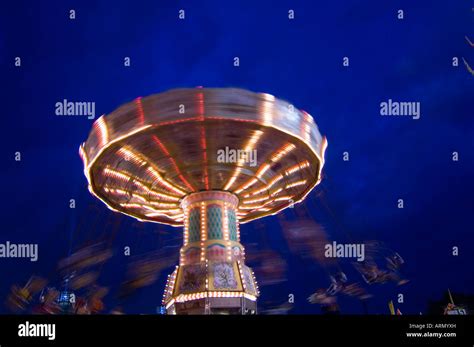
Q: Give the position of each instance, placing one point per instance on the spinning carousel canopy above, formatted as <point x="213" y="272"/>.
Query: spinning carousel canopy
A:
<point x="146" y="156"/>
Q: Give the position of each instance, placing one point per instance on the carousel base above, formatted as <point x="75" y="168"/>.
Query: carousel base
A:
<point x="215" y="306"/>
<point x="211" y="288"/>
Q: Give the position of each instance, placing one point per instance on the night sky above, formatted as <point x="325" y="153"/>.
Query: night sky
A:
<point x="297" y="60"/>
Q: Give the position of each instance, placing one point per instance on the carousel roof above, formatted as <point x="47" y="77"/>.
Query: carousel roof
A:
<point x="148" y="154"/>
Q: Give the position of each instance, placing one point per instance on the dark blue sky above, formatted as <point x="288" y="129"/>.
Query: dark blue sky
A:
<point x="298" y="60"/>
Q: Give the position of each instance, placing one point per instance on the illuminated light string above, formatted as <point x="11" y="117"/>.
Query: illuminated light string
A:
<point x="156" y="214"/>
<point x="260" y="173"/>
<point x="108" y="172"/>
<point x="276" y="192"/>
<point x="166" y="290"/>
<point x="141" y="114"/>
<point x="266" y="107"/>
<point x="283" y="198"/>
<point x="207" y="280"/>
<point x="242" y="280"/>
<point x="257" y="207"/>
<point x="254" y="200"/>
<point x="279" y="154"/>
<point x="173" y="162"/>
<point x="170" y="282"/>
<point x="203" y="230"/>
<point x="186" y="227"/>
<point x="200" y="102"/>
<point x="116" y="174"/>
<point x="226" y="233"/>
<point x="126" y="177"/>
<point x="168" y="212"/>
<point x="247" y="185"/>
<point x="249" y="147"/>
<point x="324" y="146"/>
<point x="139" y="197"/>
<point x="156" y="194"/>
<point x="247" y="219"/>
<point x="182" y="260"/>
<point x="155" y="174"/>
<point x="269" y="201"/>
<point x="300" y="166"/>
<point x="211" y="294"/>
<point x="87" y="170"/>
<point x="169" y="304"/>
<point x="287" y="148"/>
<point x="162" y="204"/>
<point x="256" y="283"/>
<point x="276" y="179"/>
<point x="130" y="155"/>
<point x="204" y="153"/>
<point x="83" y="154"/>
<point x="171" y="213"/>
<point x="306" y="126"/>
<point x="102" y="132"/>
<point x="174" y="221"/>
<point x="250" y="208"/>
<point x="85" y="160"/>
<point x="270" y="184"/>
<point x="238" y="235"/>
